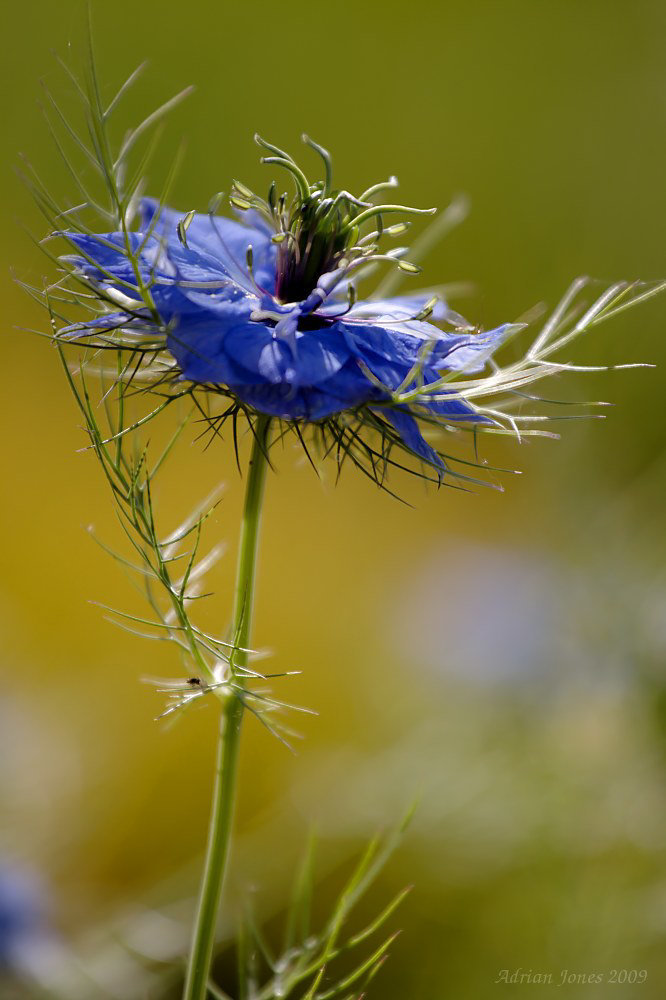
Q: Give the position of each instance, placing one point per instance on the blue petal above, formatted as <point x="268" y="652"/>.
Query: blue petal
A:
<point x="168" y="264"/>
<point x="471" y="354"/>
<point x="404" y="343"/>
<point x="173" y="277"/>
<point x="342" y="392"/>
<point x="402" y="307"/>
<point x="453" y="409"/>
<point x="199" y="283"/>
<point x="401" y="343"/>
<point x="197" y="344"/>
<point x="408" y="429"/>
<point x="311" y="358"/>
<point x="225" y="240"/>
<point x="107" y="321"/>
<point x="106" y="256"/>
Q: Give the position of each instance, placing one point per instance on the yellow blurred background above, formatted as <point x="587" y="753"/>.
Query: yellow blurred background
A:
<point x="498" y="656"/>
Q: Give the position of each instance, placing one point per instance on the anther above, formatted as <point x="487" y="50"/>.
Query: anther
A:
<point x="243" y="191"/>
<point x="183" y="226"/>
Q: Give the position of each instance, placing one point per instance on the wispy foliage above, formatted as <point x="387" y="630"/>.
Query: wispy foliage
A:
<point x="169" y="567"/>
<point x="334" y="961"/>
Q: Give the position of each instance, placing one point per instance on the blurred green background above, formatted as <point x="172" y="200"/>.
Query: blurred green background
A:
<point x="500" y="656"/>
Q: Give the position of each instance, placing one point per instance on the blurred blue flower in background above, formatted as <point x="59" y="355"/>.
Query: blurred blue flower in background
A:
<point x="522" y="621"/>
<point x="22" y="918"/>
<point x="501" y="625"/>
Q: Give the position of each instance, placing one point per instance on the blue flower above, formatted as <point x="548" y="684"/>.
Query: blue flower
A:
<point x="265" y="308"/>
<point x="22" y="918"/>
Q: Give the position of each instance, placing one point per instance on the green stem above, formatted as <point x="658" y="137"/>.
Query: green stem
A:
<point x="221" y="819"/>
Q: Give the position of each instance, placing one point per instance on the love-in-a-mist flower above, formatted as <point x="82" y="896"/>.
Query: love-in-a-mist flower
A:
<point x="265" y="307"/>
<point x="261" y="313"/>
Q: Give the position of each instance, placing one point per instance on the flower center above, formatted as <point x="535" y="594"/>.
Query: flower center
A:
<point x="316" y="236"/>
<point x="321" y="230"/>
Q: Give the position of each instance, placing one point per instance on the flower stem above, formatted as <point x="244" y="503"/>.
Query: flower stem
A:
<point x="221" y="819"/>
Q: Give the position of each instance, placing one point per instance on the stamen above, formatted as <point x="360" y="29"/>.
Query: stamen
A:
<point x="329" y="282"/>
<point x="243" y="191"/>
<point x="261" y="315"/>
<point x="427" y="309"/>
<point x="183" y="226"/>
<point x="398" y="229"/>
